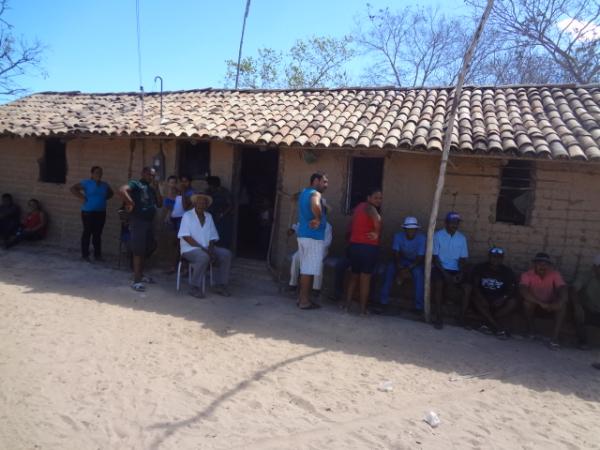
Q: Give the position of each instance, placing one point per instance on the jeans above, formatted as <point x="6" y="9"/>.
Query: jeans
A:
<point x="93" y="224"/>
<point x="418" y="279"/>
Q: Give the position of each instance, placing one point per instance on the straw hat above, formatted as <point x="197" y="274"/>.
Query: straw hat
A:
<point x="196" y="197"/>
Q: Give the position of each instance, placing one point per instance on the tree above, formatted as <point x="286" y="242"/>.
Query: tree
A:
<point x="564" y="34"/>
<point x="17" y="56"/>
<point x="411" y="47"/>
<point x="312" y="63"/>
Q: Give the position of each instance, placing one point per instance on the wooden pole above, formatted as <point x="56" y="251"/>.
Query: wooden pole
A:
<point x="446" y="151"/>
<point x="237" y="72"/>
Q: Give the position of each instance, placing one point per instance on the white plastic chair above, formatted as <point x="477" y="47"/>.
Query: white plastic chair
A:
<point x="190" y="269"/>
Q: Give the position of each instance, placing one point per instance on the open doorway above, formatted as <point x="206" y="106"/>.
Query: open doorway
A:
<point x="258" y="186"/>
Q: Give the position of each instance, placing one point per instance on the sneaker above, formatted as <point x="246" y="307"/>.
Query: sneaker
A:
<point x="138" y="287"/>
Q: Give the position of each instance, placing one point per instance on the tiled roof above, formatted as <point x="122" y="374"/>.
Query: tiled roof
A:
<point x="559" y="122"/>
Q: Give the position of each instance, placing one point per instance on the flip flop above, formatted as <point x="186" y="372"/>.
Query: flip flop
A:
<point x="138" y="287"/>
<point x="311" y="306"/>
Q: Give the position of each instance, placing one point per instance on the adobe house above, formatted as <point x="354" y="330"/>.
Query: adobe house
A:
<point x="524" y="170"/>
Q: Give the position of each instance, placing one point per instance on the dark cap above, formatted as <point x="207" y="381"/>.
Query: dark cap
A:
<point x="542" y="257"/>
<point x="453" y="217"/>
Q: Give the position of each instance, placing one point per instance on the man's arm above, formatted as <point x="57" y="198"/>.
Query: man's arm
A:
<point x="315" y="207"/>
<point x="157" y="194"/>
<point x="125" y="193"/>
<point x="76" y="190"/>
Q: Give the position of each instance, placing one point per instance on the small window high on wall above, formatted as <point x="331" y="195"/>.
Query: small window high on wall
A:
<point x="515" y="200"/>
<point x="194" y="159"/>
<point x="53" y="165"/>
<point x="365" y="174"/>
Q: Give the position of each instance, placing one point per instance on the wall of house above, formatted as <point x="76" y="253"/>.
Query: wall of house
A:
<point x="565" y="219"/>
<point x="19" y="175"/>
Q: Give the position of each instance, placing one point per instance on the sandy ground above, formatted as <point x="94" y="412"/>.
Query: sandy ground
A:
<point x="86" y="363"/>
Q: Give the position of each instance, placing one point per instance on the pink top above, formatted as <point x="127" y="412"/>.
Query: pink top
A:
<point x="544" y="289"/>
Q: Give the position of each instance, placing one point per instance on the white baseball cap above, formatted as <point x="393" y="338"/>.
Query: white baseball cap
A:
<point x="411" y="223"/>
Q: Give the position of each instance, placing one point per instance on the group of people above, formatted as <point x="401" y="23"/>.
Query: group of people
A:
<point x="14" y="228"/>
<point x="490" y="287"/>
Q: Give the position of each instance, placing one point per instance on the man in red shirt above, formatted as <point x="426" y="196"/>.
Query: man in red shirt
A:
<point x="542" y="287"/>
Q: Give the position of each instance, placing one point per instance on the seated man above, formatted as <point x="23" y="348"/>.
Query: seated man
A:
<point x="450" y="253"/>
<point x="295" y="265"/>
<point x="198" y="236"/>
<point x="10" y="217"/>
<point x="586" y="301"/>
<point x="543" y="288"/>
<point x="494" y="289"/>
<point x="409" y="252"/>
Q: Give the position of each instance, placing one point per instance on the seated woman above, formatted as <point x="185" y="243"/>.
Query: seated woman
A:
<point x="33" y="228"/>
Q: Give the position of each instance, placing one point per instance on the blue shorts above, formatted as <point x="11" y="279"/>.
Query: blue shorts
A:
<point x="363" y="257"/>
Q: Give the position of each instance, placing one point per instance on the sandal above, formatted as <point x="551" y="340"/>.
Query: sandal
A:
<point x="138" y="287"/>
<point x="149" y="280"/>
<point x="311" y="306"/>
<point x="485" y="330"/>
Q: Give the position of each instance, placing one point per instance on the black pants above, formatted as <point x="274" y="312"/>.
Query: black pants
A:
<point x="93" y="224"/>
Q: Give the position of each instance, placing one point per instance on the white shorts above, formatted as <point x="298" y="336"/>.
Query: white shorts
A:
<point x="311" y="253"/>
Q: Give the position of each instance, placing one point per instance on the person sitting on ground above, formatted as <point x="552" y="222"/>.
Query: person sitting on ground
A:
<point x="33" y="228"/>
<point x="494" y="292"/>
<point x="93" y="193"/>
<point x="10" y="218"/>
<point x="542" y="287"/>
<point x="409" y="254"/>
<point x="585" y="295"/>
<point x="198" y="237"/>
<point x="295" y="264"/>
<point x="142" y="198"/>
<point x="450" y="253"/>
<point x="365" y="237"/>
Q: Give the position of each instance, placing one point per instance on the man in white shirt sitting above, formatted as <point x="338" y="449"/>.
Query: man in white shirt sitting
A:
<point x="198" y="236"/>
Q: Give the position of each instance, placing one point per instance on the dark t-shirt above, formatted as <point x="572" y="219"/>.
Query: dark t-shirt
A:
<point x="144" y="197"/>
<point x="494" y="284"/>
<point x="10" y="216"/>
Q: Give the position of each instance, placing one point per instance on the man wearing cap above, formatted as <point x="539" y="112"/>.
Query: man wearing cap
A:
<point x="586" y="300"/>
<point x="450" y="253"/>
<point x="542" y="287"/>
<point x="142" y="198"/>
<point x="409" y="253"/>
<point x="198" y="236"/>
<point x="494" y="288"/>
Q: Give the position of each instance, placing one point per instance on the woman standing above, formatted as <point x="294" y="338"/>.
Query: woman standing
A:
<point x="93" y="193"/>
<point x="365" y="234"/>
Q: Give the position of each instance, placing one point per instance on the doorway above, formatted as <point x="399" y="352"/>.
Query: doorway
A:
<point x="258" y="188"/>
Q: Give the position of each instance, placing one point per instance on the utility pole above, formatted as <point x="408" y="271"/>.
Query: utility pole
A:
<point x="237" y="74"/>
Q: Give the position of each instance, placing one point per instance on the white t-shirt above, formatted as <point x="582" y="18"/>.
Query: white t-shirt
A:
<point x="178" y="210"/>
<point x="191" y="226"/>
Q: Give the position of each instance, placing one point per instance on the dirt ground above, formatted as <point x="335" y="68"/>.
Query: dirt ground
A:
<point x="86" y="363"/>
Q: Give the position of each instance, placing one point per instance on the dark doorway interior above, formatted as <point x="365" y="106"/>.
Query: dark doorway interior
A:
<point x="258" y="185"/>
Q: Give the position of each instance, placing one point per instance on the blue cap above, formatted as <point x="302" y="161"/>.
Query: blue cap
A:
<point x="453" y="217"/>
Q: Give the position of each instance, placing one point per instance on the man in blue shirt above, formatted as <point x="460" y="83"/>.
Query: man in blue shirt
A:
<point x="93" y="194"/>
<point x="450" y="253"/>
<point x="312" y="222"/>
<point x="409" y="252"/>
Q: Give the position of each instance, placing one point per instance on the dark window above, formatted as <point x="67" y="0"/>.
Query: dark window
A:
<point x="53" y="165"/>
<point x="516" y="193"/>
<point x="194" y="159"/>
<point x="365" y="174"/>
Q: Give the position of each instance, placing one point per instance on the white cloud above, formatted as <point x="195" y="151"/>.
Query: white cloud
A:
<point x="574" y="27"/>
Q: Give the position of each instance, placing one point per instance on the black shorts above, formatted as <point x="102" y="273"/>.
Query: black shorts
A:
<point x="363" y="257"/>
<point x="142" y="237"/>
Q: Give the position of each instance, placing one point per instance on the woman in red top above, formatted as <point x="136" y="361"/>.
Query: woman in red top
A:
<point x="33" y="227"/>
<point x="365" y="235"/>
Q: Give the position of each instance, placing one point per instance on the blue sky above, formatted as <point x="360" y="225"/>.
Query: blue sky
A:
<point x="92" y="47"/>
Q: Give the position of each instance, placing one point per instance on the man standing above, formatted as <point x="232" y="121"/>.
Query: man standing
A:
<point x="543" y="288"/>
<point x="312" y="222"/>
<point x="93" y="194"/>
<point x="409" y="252"/>
<point x="221" y="210"/>
<point x="198" y="236"/>
<point x="494" y="289"/>
<point x="450" y="253"/>
<point x="142" y="198"/>
<point x="586" y="301"/>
